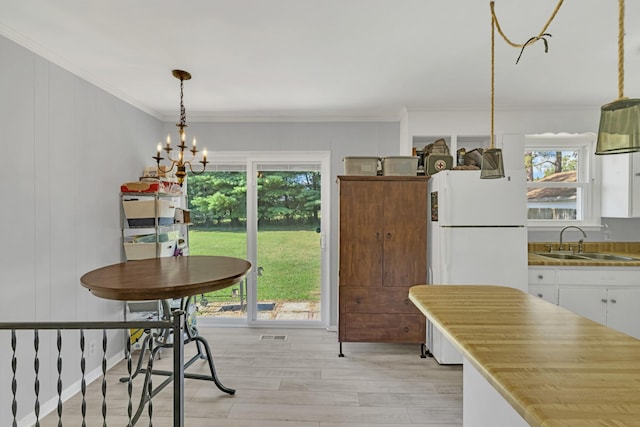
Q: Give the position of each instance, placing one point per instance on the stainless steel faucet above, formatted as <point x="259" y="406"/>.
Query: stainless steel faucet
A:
<point x="580" y="242"/>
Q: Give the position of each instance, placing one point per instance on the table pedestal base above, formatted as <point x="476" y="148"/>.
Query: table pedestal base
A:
<point x="163" y="340"/>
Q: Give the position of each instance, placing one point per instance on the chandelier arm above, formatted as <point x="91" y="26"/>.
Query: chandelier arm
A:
<point x="204" y="166"/>
<point x="172" y="161"/>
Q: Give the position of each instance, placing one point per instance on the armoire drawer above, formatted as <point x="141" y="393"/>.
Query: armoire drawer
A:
<point x="376" y="300"/>
<point x="382" y="327"/>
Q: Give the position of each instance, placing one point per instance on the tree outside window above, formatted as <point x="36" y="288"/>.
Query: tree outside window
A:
<point x="552" y="187"/>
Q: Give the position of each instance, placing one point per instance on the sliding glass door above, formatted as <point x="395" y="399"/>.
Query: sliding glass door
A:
<point x="269" y="210"/>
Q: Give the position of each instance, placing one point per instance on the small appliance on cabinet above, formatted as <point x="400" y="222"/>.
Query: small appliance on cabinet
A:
<point x="477" y="235"/>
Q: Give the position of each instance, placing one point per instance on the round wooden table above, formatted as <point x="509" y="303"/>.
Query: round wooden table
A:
<point x="164" y="279"/>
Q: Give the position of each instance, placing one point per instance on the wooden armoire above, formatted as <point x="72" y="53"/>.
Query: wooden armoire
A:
<point x="383" y="252"/>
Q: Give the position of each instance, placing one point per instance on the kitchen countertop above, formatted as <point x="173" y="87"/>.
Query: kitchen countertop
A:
<point x="554" y="367"/>
<point x="631" y="249"/>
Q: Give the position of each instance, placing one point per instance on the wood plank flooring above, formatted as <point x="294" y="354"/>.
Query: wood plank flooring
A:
<point x="296" y="382"/>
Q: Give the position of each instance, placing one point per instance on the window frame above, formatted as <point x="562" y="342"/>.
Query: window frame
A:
<point x="587" y="177"/>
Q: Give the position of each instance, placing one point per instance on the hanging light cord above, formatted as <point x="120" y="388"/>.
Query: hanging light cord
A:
<point x="183" y="111"/>
<point x="493" y="67"/>
<point x="541" y="36"/>
<point x="621" y="50"/>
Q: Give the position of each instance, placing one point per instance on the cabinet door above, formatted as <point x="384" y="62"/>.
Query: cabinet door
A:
<point x="590" y="303"/>
<point x="361" y="233"/>
<point x="620" y="180"/>
<point x="405" y="233"/>
<point x="622" y="311"/>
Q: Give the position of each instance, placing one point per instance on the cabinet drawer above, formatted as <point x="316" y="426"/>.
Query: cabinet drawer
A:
<point x="376" y="300"/>
<point x="546" y="292"/>
<point x="382" y="327"/>
<point x="597" y="276"/>
<point x="542" y="276"/>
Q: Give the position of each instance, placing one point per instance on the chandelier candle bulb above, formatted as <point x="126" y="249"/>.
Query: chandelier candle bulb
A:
<point x="204" y="156"/>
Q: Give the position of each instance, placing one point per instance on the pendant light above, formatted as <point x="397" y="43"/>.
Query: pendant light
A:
<point x="619" y="120"/>
<point x="492" y="166"/>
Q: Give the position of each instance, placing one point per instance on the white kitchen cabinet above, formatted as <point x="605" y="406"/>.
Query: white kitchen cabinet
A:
<point x="622" y="311"/>
<point x="616" y="308"/>
<point x="610" y="296"/>
<point x="620" y="181"/>
<point x="588" y="302"/>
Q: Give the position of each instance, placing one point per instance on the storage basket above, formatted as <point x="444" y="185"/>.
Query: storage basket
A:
<point x="142" y="213"/>
<point x="400" y="166"/>
<point x="135" y="251"/>
<point x="367" y="166"/>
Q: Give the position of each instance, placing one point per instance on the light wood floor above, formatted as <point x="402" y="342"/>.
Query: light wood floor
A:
<point x="296" y="382"/>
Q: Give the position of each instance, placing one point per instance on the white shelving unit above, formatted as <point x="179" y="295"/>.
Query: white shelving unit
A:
<point x="454" y="142"/>
<point x="149" y="229"/>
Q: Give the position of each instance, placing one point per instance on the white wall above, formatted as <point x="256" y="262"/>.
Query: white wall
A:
<point x="66" y="148"/>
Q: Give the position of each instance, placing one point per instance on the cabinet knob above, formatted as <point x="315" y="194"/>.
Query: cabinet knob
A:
<point x="377" y="235"/>
<point x="540" y="276"/>
<point x="357" y="300"/>
<point x="540" y="295"/>
<point x="613" y="301"/>
<point x="388" y="235"/>
<point x="603" y="300"/>
<point x="406" y="329"/>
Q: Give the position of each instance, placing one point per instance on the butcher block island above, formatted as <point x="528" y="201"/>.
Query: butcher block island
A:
<point x="529" y="362"/>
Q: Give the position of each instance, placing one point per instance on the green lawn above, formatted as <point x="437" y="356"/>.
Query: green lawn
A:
<point x="290" y="261"/>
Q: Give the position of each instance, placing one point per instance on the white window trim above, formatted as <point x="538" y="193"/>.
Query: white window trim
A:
<point x="588" y="179"/>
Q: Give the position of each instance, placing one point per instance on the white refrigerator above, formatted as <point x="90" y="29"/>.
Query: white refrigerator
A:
<point x="477" y="235"/>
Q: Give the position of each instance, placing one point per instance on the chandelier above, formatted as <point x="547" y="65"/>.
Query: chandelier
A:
<point x="180" y="163"/>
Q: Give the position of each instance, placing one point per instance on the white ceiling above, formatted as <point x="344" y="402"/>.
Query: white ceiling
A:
<point x="315" y="59"/>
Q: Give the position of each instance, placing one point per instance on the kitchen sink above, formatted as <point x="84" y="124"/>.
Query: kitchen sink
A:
<point x="584" y="256"/>
<point x="607" y="257"/>
<point x="557" y="255"/>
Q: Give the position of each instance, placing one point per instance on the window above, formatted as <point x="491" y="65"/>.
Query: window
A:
<point x="561" y="179"/>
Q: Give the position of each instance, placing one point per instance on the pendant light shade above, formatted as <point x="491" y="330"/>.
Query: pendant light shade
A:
<point x="619" y="127"/>
<point x="619" y="120"/>
<point x="492" y="165"/>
